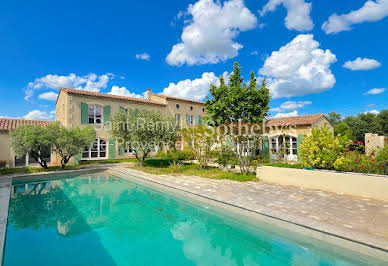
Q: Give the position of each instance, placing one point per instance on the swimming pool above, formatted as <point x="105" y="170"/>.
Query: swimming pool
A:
<point x="99" y="219"/>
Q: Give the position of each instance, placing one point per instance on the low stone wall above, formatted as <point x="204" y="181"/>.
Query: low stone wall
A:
<point x="362" y="185"/>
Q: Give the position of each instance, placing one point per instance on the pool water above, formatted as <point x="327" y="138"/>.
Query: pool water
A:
<point x="99" y="219"/>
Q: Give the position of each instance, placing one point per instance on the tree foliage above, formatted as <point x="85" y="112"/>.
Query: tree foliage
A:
<point x="33" y="140"/>
<point x="200" y="139"/>
<point x="143" y="131"/>
<point x="321" y="149"/>
<point x="68" y="142"/>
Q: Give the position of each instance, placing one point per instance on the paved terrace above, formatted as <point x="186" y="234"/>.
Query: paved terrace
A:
<point x="360" y="219"/>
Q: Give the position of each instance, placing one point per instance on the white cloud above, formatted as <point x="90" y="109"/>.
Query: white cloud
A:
<point x="375" y="91"/>
<point x="40" y="115"/>
<point x="362" y="64"/>
<point x="371" y="11"/>
<point x="299" y="68"/>
<point x="122" y="91"/>
<point x="291" y="105"/>
<point x="290" y="114"/>
<point x="298" y="13"/>
<point x="208" y="38"/>
<point x="143" y="56"/>
<point x="49" y="96"/>
<point x="372" y="112"/>
<point x="195" y="89"/>
<point x="90" y="82"/>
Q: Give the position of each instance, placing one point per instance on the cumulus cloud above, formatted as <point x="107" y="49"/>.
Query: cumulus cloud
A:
<point x="375" y="91"/>
<point x="291" y="105"/>
<point x="362" y="64"/>
<point x="371" y="11"/>
<point x="49" y="96"/>
<point x="40" y="115"/>
<point x="195" y="89"/>
<point x="299" y="68"/>
<point x="122" y="91"/>
<point x="372" y="112"/>
<point x="298" y="13"/>
<point x="90" y="82"/>
<point x="209" y="35"/>
<point x="143" y="56"/>
<point x="290" y="114"/>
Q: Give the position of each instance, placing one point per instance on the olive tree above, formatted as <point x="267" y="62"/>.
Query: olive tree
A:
<point x="34" y="140"/>
<point x="142" y="131"/>
<point x="68" y="142"/>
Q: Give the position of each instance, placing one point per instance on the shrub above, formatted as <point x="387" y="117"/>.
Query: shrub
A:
<point x="321" y="149"/>
<point x="382" y="159"/>
<point x="3" y="164"/>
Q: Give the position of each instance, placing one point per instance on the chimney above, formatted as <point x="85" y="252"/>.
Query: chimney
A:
<point x="148" y="94"/>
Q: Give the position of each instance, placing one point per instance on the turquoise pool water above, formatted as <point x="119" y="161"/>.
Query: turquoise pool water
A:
<point x="98" y="220"/>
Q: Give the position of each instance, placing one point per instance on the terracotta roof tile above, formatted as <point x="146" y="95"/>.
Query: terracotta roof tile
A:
<point x="109" y="96"/>
<point x="177" y="98"/>
<point x="295" y="120"/>
<point x="7" y="124"/>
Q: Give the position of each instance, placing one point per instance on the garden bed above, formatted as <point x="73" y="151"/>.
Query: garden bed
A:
<point x="362" y="185"/>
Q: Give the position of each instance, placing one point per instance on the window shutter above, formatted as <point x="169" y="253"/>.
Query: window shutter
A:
<point x="77" y="158"/>
<point x="300" y="140"/>
<point x="197" y="119"/>
<point x="112" y="149"/>
<point x="84" y="113"/>
<point x="121" y="150"/>
<point x="106" y="114"/>
<point x="265" y="147"/>
<point x="136" y="112"/>
<point x="200" y="120"/>
<point x="187" y="119"/>
<point x="122" y="109"/>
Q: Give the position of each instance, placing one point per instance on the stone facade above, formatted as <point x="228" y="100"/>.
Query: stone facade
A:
<point x="374" y="142"/>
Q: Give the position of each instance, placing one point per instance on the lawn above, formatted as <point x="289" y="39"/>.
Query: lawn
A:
<point x="38" y="169"/>
<point x="285" y="165"/>
<point x="163" y="167"/>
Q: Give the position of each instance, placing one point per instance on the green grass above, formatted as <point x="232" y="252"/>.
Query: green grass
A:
<point x="162" y="167"/>
<point x="38" y="169"/>
<point x="285" y="165"/>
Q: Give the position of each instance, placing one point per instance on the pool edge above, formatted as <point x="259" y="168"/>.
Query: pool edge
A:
<point x="5" y="192"/>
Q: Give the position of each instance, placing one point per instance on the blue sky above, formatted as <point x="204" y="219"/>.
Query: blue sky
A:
<point x="307" y="49"/>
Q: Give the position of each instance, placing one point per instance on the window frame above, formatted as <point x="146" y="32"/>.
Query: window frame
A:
<point x="94" y="115"/>
<point x="100" y="143"/>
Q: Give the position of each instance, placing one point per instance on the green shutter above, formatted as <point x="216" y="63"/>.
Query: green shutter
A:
<point x="187" y="119"/>
<point x="197" y="119"/>
<point x="122" y="109"/>
<point x="136" y="112"/>
<point x="229" y="141"/>
<point x="77" y="158"/>
<point x="265" y="147"/>
<point x="121" y="150"/>
<point x="112" y="149"/>
<point x="300" y="140"/>
<point x="106" y="114"/>
<point x="200" y="120"/>
<point x="84" y="113"/>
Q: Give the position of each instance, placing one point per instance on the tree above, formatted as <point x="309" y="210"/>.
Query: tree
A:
<point x="33" y="140"/>
<point x="334" y="118"/>
<point x="237" y="102"/>
<point x="69" y="142"/>
<point x="382" y="120"/>
<point x="201" y="140"/>
<point x="343" y="129"/>
<point x="142" y="131"/>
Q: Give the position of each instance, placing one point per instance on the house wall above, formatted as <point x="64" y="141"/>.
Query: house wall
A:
<point x="6" y="153"/>
<point x="373" y="142"/>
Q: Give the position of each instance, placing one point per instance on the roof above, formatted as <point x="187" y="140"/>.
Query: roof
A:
<point x="302" y="120"/>
<point x="7" y="124"/>
<point x="177" y="98"/>
<point x="109" y="96"/>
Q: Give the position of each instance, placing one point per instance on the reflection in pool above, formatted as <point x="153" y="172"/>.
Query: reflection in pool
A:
<point x="102" y="220"/>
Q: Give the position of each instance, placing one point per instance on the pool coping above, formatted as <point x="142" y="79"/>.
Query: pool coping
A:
<point x="277" y="219"/>
<point x="5" y="193"/>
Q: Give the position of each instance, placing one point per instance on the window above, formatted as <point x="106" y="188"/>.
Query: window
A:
<point x="177" y="106"/>
<point x="94" y="114"/>
<point x="96" y="151"/>
<point x="203" y="109"/>
<point x="191" y="108"/>
<point x="191" y="120"/>
<point x="177" y="119"/>
<point x="128" y="150"/>
<point x="288" y="143"/>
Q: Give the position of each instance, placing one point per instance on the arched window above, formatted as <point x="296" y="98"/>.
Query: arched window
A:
<point x="177" y="106"/>
<point x="191" y="108"/>
<point x="96" y="151"/>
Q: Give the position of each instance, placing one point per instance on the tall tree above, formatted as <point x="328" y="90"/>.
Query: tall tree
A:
<point x="334" y="118"/>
